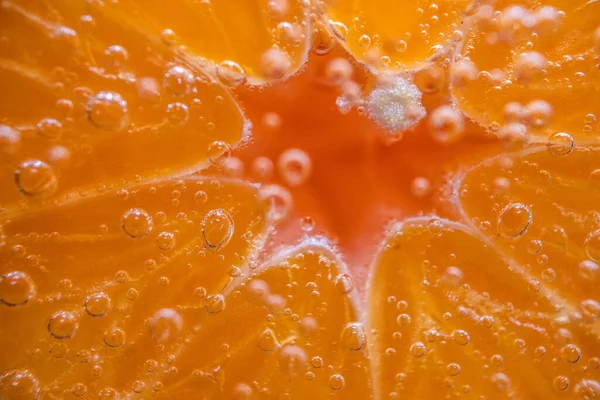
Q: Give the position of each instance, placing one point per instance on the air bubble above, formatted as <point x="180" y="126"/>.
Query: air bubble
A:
<point x="217" y="229"/>
<point x="137" y="223"/>
<point x="217" y="152"/>
<point x="165" y="240"/>
<point x="295" y="167"/>
<point x="354" y="337"/>
<point x="16" y="288"/>
<point x="49" y="128"/>
<point x="514" y="220"/>
<point x="36" y="178"/>
<point x="278" y="201"/>
<point x="418" y="349"/>
<point x="114" y="337"/>
<point x="97" y="304"/>
<point x="177" y="113"/>
<point x="560" y="144"/>
<point x="63" y="325"/>
<point x="571" y="353"/>
<point x="336" y="381"/>
<point x="293" y="360"/>
<point x="178" y="81"/>
<point x="107" y="110"/>
<point x="215" y="303"/>
<point x="19" y="384"/>
<point x="344" y="283"/>
<point x="447" y="125"/>
<point x="166" y="325"/>
<point x="267" y="341"/>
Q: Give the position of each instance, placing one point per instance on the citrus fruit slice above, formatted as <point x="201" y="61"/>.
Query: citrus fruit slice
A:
<point x="398" y="35"/>
<point x="95" y="102"/>
<point x="453" y="316"/>
<point x="532" y="63"/>
<point x="100" y="294"/>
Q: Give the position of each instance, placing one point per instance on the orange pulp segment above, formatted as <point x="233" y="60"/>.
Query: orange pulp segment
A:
<point x="525" y="53"/>
<point x="103" y="294"/>
<point x="398" y="35"/>
<point x="451" y="319"/>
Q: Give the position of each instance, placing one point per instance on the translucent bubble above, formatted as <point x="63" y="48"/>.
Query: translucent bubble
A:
<point x="453" y="276"/>
<point x="63" y="325"/>
<point x="275" y="63"/>
<point x="595" y="178"/>
<point x="231" y="73"/>
<point x="344" y="283"/>
<point x="218" y="151"/>
<point x="447" y="124"/>
<point x="49" y="128"/>
<point x="137" y="223"/>
<point x="461" y="337"/>
<point x="418" y="349"/>
<point x="179" y="81"/>
<point x="420" y="187"/>
<point x="307" y="224"/>
<point x="592" y="245"/>
<point x="215" y="303"/>
<point x="588" y="270"/>
<point x="148" y="89"/>
<point x="293" y="360"/>
<point x="338" y="71"/>
<point x="336" y="381"/>
<point x="278" y="201"/>
<point x="354" y="337"/>
<point x="36" y="178"/>
<point x="16" y="288"/>
<point x="500" y="381"/>
<point x="59" y="156"/>
<point x="114" y="337"/>
<point x="166" y="325"/>
<point x="107" y="110"/>
<point x="217" y="228"/>
<point x="19" y="384"/>
<point x="262" y="168"/>
<point x="97" y="304"/>
<point x="322" y="40"/>
<point x="79" y="389"/>
<point x="571" y="353"/>
<point x="587" y="389"/>
<point x="10" y="139"/>
<point x="295" y="167"/>
<point x="108" y="394"/>
<point x="435" y="226"/>
<point x="165" y="240"/>
<point x="116" y="56"/>
<point x="430" y="79"/>
<point x="316" y="362"/>
<point x="403" y="319"/>
<point x="529" y="65"/>
<point x="138" y="386"/>
<point x="267" y="340"/>
<point x="514" y="220"/>
<point x="364" y="41"/>
<point x="177" y="113"/>
<point x="463" y="72"/>
<point x="241" y="391"/>
<point x="453" y="369"/>
<point x="560" y="144"/>
<point x="538" y="113"/>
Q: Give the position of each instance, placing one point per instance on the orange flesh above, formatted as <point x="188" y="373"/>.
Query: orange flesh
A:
<point x="144" y="255"/>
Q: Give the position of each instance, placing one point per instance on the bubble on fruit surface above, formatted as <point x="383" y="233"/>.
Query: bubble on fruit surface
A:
<point x="338" y="71"/>
<point x="293" y="360"/>
<point x="97" y="304"/>
<point x="337" y="381"/>
<point x="217" y="152"/>
<point x="49" y="128"/>
<point x="529" y="65"/>
<point x="461" y="337"/>
<point x="420" y="187"/>
<point x="592" y="245"/>
<point x="165" y="240"/>
<point x="217" y="228"/>
<point x="231" y="73"/>
<point x="79" y="389"/>
<point x="267" y="341"/>
<point x="10" y="139"/>
<point x="19" y="384"/>
<point x="116" y="56"/>
<point x="571" y="353"/>
<point x="36" y="178"/>
<point x="500" y="381"/>
<point x="418" y="349"/>
<point x="395" y="104"/>
<point x="262" y="168"/>
<point x="148" y="89"/>
<point x="590" y="309"/>
<point x="344" y="283"/>
<point x="278" y="201"/>
<point x="136" y="223"/>
<point x="447" y="124"/>
<point x="114" y="337"/>
<point x="514" y="220"/>
<point x="354" y="337"/>
<point x="215" y="303"/>
<point x="107" y="110"/>
<point x="16" y="288"/>
<point x="165" y="325"/>
<point x="463" y="72"/>
<point x="560" y="144"/>
<point x="588" y="270"/>
<point x="295" y="167"/>
<point x="178" y="80"/>
<point x="177" y="113"/>
<point x="275" y="63"/>
<point x="587" y="389"/>
<point x="63" y="325"/>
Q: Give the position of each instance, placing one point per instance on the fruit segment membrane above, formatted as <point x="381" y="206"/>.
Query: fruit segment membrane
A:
<point x="293" y="199"/>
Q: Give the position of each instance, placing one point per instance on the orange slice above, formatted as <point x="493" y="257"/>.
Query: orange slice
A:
<point x="516" y="55"/>
<point x="397" y="35"/>
<point x="453" y="317"/>
<point x="96" y="102"/>
<point x="102" y="294"/>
